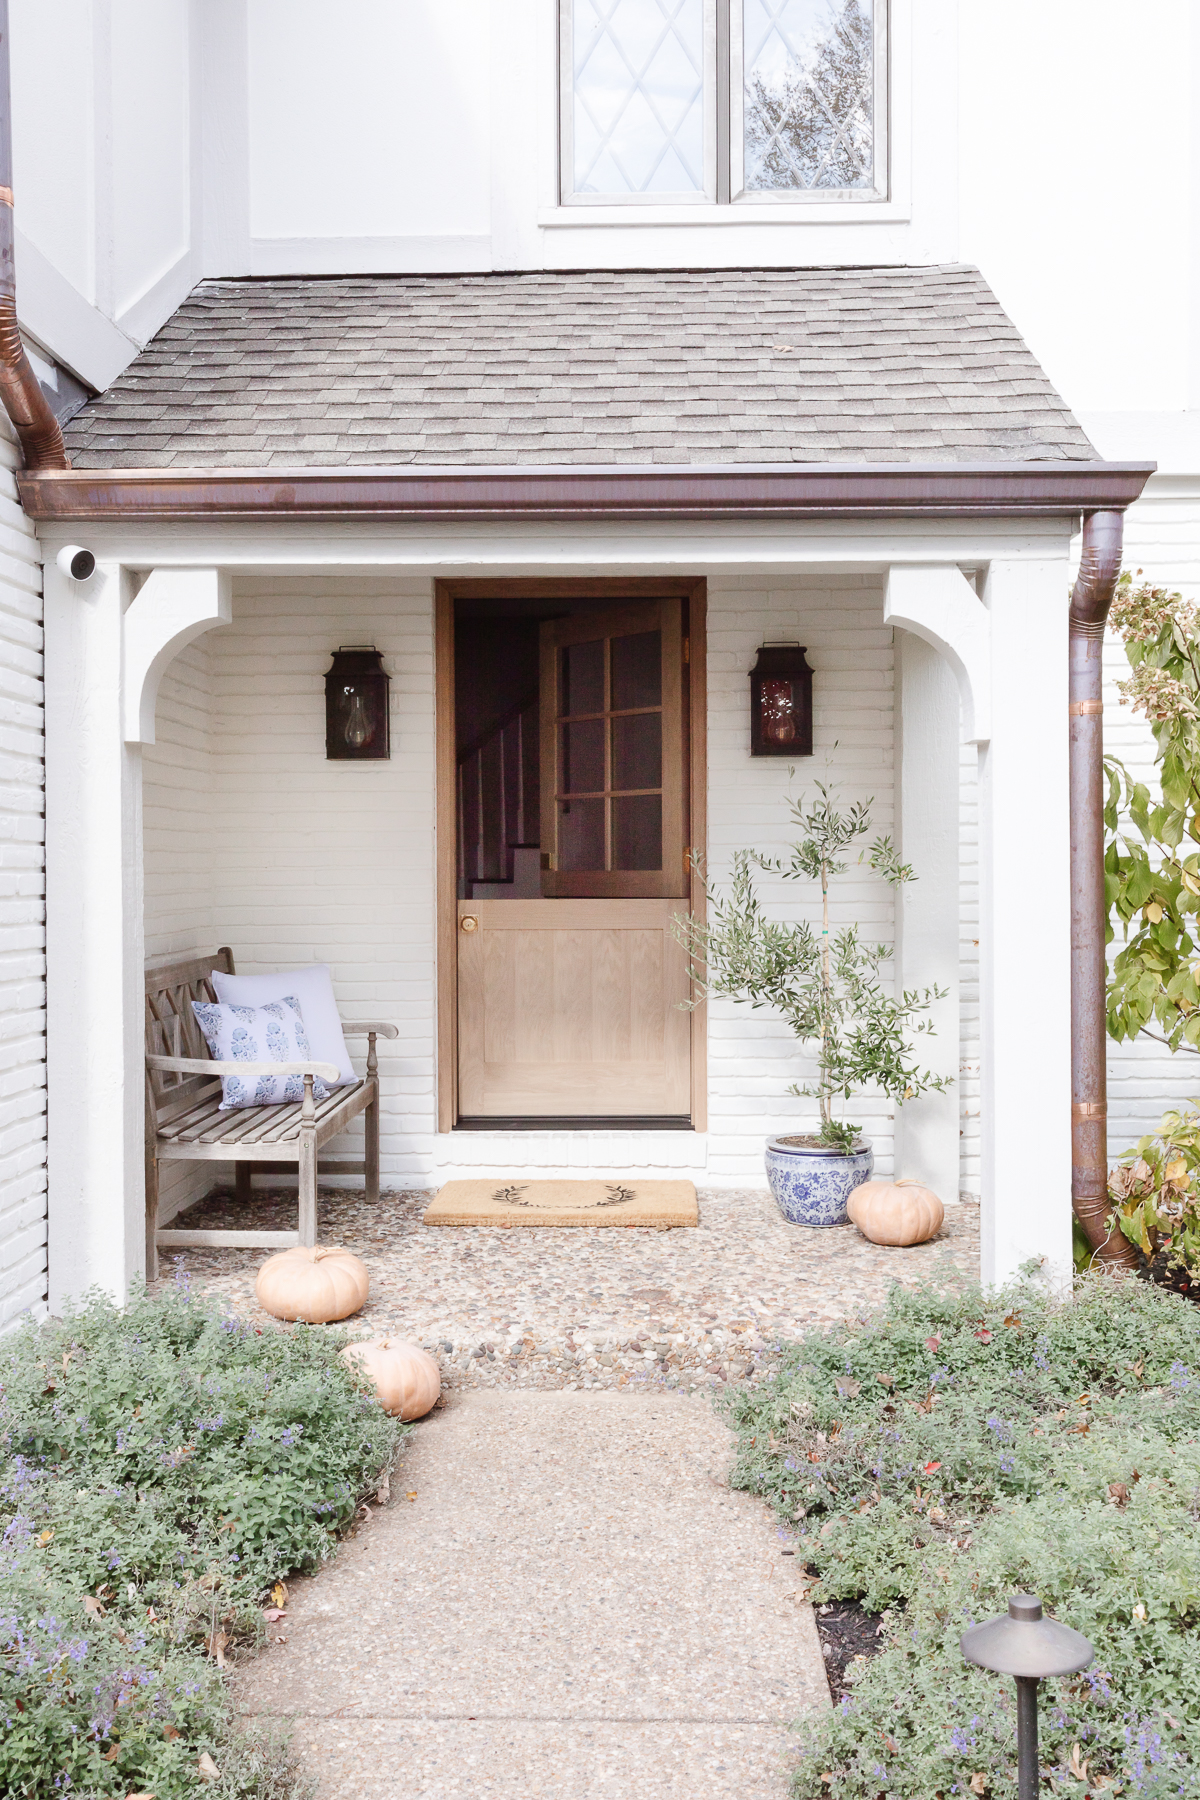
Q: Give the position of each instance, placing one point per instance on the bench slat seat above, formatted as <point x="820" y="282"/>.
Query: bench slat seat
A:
<point x="185" y="1121"/>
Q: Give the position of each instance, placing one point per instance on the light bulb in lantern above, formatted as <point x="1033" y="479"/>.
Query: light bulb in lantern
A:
<point x="358" y="726"/>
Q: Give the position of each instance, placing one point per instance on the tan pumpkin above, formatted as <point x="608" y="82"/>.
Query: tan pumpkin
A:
<point x="896" y="1212"/>
<point x="313" y="1282"/>
<point x="406" y="1377"/>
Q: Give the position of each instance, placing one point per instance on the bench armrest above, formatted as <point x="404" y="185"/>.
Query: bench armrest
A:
<point x="195" y="1065"/>
<point x="365" y="1027"/>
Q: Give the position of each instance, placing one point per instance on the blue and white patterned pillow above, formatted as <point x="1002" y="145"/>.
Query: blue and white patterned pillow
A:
<point x="273" y="1032"/>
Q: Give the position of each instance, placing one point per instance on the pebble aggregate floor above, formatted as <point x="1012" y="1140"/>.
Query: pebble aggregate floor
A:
<point x="591" y="1307"/>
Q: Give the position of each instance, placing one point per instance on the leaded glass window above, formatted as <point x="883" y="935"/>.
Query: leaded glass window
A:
<point x="639" y="122"/>
<point x="809" y="80"/>
<point x="723" y="100"/>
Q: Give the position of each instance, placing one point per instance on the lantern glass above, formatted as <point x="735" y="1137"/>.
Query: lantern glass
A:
<point x="781" y="702"/>
<point x="356" y="705"/>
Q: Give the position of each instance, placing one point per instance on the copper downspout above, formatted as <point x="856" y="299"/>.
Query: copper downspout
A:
<point x="1099" y="566"/>
<point x="36" y="426"/>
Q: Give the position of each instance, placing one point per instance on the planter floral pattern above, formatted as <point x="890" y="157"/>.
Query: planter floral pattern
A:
<point x="811" y="1185"/>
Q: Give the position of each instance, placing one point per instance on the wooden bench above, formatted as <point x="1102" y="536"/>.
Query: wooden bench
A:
<point x="184" y="1121"/>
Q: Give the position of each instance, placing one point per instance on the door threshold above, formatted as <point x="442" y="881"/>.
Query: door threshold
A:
<point x="667" y="1122"/>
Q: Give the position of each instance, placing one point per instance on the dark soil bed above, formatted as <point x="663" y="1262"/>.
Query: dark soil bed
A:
<point x="846" y="1632"/>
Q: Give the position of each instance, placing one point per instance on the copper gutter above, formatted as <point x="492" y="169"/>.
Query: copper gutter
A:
<point x="1099" y="567"/>
<point x="665" y="491"/>
<point x="37" y="429"/>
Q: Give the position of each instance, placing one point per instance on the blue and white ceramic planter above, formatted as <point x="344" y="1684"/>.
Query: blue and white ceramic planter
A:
<point x="812" y="1183"/>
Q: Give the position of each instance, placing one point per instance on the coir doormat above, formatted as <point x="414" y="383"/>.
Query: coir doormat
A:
<point x="635" y="1202"/>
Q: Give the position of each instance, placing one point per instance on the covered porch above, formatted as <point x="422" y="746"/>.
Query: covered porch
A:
<point x="191" y="805"/>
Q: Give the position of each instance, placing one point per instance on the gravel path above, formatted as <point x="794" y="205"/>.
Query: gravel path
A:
<point x="593" y="1308"/>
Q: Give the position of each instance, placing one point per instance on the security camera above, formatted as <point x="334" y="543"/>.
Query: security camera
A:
<point x="76" y="562"/>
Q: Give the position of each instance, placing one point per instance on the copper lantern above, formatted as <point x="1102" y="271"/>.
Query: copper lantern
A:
<point x="781" y="702"/>
<point x="356" y="705"/>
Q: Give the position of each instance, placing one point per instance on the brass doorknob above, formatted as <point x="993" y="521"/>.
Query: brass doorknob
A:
<point x="468" y="922"/>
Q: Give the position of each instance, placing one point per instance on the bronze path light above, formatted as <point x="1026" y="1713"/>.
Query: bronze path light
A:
<point x="1031" y="1648"/>
<point x="356" y="705"/>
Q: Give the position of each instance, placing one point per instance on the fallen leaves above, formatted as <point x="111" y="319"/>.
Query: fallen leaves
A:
<point x="887" y="1381"/>
<point x="272" y="1614"/>
<point x="279" y="1594"/>
<point x="411" y="1496"/>
<point x="215" y="1647"/>
<point x="933" y="1344"/>
<point x="383" y="1492"/>
<point x="985" y="1337"/>
<point x="111" y="1754"/>
<point x="45" y="1537"/>
<point x="93" y="1606"/>
<point x="1078" y="1769"/>
<point x="848" y="1388"/>
<point x="978" y="1782"/>
<point x="206" y="1768"/>
<point x="1118" y="1493"/>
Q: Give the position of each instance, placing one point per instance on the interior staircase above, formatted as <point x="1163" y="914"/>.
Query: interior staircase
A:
<point x="499" y="800"/>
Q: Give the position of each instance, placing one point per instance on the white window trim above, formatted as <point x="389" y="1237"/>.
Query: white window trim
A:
<point x="566" y="125"/>
<point x="739" y="205"/>
<point x="740" y="195"/>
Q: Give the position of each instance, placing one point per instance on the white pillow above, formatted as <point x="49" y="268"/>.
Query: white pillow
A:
<point x="314" y="990"/>
<point x="258" y="1034"/>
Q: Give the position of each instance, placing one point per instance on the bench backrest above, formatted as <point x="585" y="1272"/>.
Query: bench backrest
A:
<point x="171" y="1030"/>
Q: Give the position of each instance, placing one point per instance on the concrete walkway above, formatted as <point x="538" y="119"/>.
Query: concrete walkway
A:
<point x="574" y="1605"/>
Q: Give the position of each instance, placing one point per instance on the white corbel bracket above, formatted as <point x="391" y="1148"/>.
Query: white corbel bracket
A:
<point x="172" y="608"/>
<point x="936" y="602"/>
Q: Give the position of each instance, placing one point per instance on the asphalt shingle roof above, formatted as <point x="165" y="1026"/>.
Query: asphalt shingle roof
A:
<point x="876" y="365"/>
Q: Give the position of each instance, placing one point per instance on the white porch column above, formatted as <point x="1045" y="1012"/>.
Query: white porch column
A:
<point x="94" y="992"/>
<point x="1009" y="656"/>
<point x="927" y="909"/>
<point x="1025" y="927"/>
<point x="104" y="656"/>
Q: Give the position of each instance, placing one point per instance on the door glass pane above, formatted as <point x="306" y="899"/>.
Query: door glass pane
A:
<point x="582" y="758"/>
<point x="637" y="751"/>
<point x="638" y="119"/>
<point x="581" y="676"/>
<point x="809" y="93"/>
<point x="581" y="834"/>
<point x="637" y="670"/>
<point x="637" y="832"/>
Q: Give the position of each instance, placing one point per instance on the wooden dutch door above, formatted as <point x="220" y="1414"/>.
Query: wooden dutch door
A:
<point x="570" y="984"/>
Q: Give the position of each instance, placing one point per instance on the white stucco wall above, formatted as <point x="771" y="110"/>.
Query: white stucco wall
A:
<point x="22" y="912"/>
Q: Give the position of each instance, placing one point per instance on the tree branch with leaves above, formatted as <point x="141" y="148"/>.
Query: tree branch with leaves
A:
<point x="827" y="986"/>
<point x="1151" y="874"/>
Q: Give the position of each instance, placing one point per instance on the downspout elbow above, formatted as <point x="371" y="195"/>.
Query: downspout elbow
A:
<point x="1099" y="569"/>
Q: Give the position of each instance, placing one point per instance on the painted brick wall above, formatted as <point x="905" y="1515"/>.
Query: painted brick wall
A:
<point x="333" y="862"/>
<point x="22" y="912"/>
<point x="253" y="839"/>
<point x="179" y="850"/>
<point x="839" y="618"/>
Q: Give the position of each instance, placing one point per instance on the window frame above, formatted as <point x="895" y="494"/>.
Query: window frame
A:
<point x="723" y="124"/>
<point x="566" y="122"/>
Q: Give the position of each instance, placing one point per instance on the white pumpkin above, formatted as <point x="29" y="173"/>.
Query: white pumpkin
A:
<point x="896" y="1212"/>
<point x="313" y="1282"/>
<point x="406" y="1377"/>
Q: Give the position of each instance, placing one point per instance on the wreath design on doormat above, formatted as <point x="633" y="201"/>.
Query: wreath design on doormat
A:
<point x="614" y="1195"/>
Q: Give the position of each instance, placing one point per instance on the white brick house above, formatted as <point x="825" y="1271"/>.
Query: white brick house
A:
<point x="801" y="396"/>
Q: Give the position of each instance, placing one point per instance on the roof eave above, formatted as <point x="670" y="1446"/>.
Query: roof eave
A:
<point x="431" y="492"/>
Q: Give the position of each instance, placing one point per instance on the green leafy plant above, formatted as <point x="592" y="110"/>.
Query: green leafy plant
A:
<point x="827" y="986"/>
<point x="1154" y="1192"/>
<point x="952" y="1449"/>
<point x="1152" y="880"/>
<point x="162" y="1467"/>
